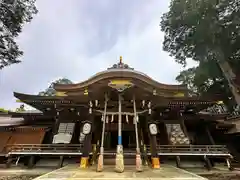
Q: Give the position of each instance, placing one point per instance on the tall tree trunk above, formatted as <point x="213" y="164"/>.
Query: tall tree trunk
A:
<point x="229" y="75"/>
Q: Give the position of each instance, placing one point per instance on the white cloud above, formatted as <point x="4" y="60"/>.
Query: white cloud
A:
<point x="76" y="39"/>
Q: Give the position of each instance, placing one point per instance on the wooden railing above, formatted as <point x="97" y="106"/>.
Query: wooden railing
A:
<point x="192" y="150"/>
<point x="44" y="149"/>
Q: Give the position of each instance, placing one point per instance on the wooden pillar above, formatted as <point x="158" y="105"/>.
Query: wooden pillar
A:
<point x="87" y="146"/>
<point x="152" y="131"/>
<point x="61" y="160"/>
<point x="209" y="135"/>
<point x="178" y="161"/>
<point x="31" y="162"/>
<point x="56" y="123"/>
<point x="182" y="124"/>
<point x="207" y="163"/>
<point x="9" y="162"/>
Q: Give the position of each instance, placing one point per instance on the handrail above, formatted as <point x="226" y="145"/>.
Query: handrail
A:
<point x="43" y="147"/>
<point x="192" y="149"/>
<point x="76" y="149"/>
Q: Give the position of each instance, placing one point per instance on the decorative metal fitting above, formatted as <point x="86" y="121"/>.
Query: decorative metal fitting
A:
<point x="90" y="104"/>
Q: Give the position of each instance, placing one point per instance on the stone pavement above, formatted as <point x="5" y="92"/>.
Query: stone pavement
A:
<point x="166" y="172"/>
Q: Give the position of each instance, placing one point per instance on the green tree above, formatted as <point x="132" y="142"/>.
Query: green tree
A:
<point x="207" y="81"/>
<point x="13" y="15"/>
<point x="50" y="91"/>
<point x="207" y="32"/>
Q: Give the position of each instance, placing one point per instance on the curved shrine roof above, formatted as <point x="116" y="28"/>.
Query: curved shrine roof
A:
<point x="121" y="71"/>
<point x="144" y="88"/>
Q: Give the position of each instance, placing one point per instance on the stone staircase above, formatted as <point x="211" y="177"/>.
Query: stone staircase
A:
<point x="176" y="135"/>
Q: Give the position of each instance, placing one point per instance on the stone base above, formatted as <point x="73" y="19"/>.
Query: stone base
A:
<point x="155" y="163"/>
<point x="84" y="162"/>
<point x="138" y="163"/>
<point x="119" y="166"/>
<point x="100" y="163"/>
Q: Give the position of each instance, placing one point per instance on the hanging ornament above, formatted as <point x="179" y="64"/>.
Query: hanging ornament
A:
<point x="143" y="103"/>
<point x="127" y="118"/>
<point x="112" y="118"/>
<point x="90" y="104"/>
<point x="58" y="113"/>
<point x="78" y="113"/>
<point x="149" y="104"/>
<point x="90" y="110"/>
<point x="96" y="103"/>
<point x="106" y="119"/>
<point x="149" y="111"/>
<point x="102" y="119"/>
<point x="137" y="118"/>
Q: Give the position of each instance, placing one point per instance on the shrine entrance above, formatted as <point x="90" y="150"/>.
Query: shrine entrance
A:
<point x="128" y="140"/>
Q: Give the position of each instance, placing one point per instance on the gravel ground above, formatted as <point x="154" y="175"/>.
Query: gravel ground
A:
<point x="209" y="176"/>
<point x="20" y="177"/>
<point x="224" y="176"/>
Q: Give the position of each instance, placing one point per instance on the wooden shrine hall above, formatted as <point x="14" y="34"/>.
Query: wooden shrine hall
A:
<point x="117" y="114"/>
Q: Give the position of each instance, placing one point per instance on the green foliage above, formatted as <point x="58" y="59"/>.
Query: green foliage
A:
<point x="50" y="91"/>
<point x="13" y="15"/>
<point x="202" y="30"/>
<point x="3" y="110"/>
<point x="207" y="31"/>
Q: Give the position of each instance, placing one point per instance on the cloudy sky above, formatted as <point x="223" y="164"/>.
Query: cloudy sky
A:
<point x="78" y="38"/>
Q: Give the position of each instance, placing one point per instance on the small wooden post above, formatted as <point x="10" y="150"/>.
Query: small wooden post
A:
<point x="61" y="160"/>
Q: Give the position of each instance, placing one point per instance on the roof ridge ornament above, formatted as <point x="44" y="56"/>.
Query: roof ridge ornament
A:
<point x="120" y="65"/>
